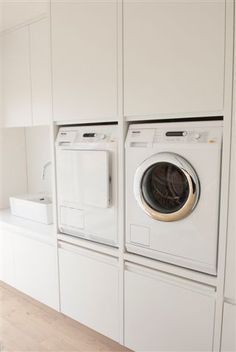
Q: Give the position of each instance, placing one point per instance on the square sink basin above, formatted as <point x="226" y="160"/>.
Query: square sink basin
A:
<point x="33" y="207"/>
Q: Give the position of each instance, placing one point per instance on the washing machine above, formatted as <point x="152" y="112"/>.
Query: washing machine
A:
<point x="87" y="187"/>
<point x="173" y="192"/>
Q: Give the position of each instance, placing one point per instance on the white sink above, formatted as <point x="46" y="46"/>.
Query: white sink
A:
<point x="33" y="207"/>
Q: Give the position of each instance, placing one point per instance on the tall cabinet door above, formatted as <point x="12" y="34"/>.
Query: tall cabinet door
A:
<point x="16" y="78"/>
<point x="84" y="56"/>
<point x="228" y="342"/>
<point x="230" y="277"/>
<point x="40" y="72"/>
<point x="173" y="57"/>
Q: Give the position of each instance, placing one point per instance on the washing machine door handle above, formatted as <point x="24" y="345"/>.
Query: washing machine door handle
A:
<point x="166" y="187"/>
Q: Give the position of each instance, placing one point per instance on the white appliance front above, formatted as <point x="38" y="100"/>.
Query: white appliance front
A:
<point x="173" y="191"/>
<point x="87" y="182"/>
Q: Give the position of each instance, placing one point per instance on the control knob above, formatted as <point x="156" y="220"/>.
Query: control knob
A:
<point x="197" y="136"/>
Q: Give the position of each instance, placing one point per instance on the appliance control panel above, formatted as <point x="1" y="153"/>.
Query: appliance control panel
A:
<point x="147" y="136"/>
<point x="92" y="136"/>
<point x="183" y="136"/>
<point x="73" y="136"/>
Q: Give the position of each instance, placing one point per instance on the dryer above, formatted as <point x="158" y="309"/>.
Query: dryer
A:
<point x="173" y="192"/>
<point x="86" y="170"/>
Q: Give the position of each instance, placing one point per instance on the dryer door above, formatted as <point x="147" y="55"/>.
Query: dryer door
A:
<point x="166" y="187"/>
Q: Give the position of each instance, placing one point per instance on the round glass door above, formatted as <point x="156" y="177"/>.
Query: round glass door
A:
<point x="166" y="187"/>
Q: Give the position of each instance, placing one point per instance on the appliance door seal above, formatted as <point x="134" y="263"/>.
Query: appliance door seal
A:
<point x="166" y="187"/>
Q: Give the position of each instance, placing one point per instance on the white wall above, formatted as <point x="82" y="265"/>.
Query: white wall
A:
<point x="13" y="177"/>
<point x="20" y="11"/>
<point x="23" y="153"/>
<point x="38" y="152"/>
<point x="1" y="71"/>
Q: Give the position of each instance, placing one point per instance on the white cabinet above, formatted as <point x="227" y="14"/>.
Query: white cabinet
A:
<point x="40" y="72"/>
<point x="16" y="78"/>
<point x="84" y="60"/>
<point x="230" y="277"/>
<point x="29" y="265"/>
<point x="166" y="313"/>
<point x="36" y="270"/>
<point x="26" y="75"/>
<point x="89" y="289"/>
<point x="173" y="58"/>
<point x="7" y="264"/>
<point x="228" y="342"/>
<point x="15" y="13"/>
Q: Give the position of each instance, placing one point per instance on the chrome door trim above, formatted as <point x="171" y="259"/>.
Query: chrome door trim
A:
<point x="188" y="171"/>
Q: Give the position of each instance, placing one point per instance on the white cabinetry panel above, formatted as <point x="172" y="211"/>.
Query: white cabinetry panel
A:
<point x="89" y="289"/>
<point x="40" y="72"/>
<point x="173" y="57"/>
<point x="17" y="12"/>
<point x="16" y="78"/>
<point x="229" y="327"/>
<point x="84" y="56"/>
<point x="26" y="75"/>
<point x="30" y="266"/>
<point x="230" y="278"/>
<point x="7" y="263"/>
<point x="164" y="313"/>
<point x="36" y="271"/>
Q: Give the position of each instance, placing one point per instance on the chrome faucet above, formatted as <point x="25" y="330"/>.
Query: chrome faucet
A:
<point x="46" y="165"/>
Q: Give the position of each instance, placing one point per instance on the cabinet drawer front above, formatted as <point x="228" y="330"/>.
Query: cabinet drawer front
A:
<point x="89" y="289"/>
<point x="164" y="313"/>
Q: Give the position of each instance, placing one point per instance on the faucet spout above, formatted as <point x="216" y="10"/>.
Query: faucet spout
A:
<point x="46" y="165"/>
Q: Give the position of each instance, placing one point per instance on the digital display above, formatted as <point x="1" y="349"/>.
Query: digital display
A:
<point x="89" y="135"/>
<point x="175" y="134"/>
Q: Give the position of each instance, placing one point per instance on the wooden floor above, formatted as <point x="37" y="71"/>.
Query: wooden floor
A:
<point x="26" y="325"/>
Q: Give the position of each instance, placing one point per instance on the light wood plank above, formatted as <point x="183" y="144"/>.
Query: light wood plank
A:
<point x="27" y="325"/>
